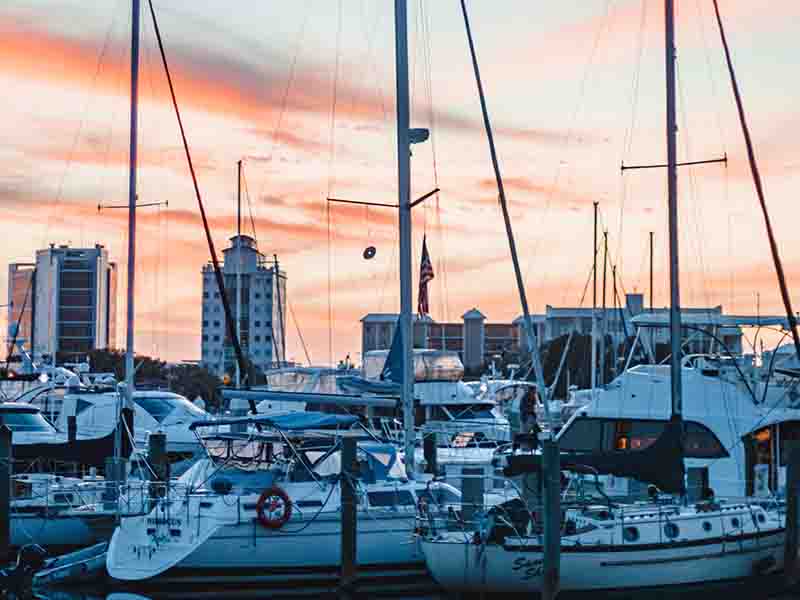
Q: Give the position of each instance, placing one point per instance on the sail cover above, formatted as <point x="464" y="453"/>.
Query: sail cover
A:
<point x="660" y="464"/>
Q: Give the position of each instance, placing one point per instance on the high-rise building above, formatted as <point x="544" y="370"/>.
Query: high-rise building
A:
<point x="71" y="302"/>
<point x="262" y="311"/>
<point x="20" y="303"/>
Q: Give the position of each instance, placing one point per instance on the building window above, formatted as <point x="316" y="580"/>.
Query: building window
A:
<point x="257" y="352"/>
<point x="216" y="309"/>
<point x="216" y="338"/>
<point x="257" y="323"/>
<point x="205" y="323"/>
<point x="205" y="295"/>
<point x="216" y="323"/>
<point x="257" y="338"/>
<point x="205" y="338"/>
<point x="258" y="296"/>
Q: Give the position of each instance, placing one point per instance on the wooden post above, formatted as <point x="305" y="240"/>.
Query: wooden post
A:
<point x="72" y="428"/>
<point x="6" y="470"/>
<point x="471" y="493"/>
<point x="157" y="457"/>
<point x="431" y="456"/>
<point x="791" y="558"/>
<point x="347" y="583"/>
<point x="552" y="520"/>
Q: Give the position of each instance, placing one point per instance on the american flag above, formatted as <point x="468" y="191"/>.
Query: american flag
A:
<point x="425" y="275"/>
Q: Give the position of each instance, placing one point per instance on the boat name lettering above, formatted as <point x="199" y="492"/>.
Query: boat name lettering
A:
<point x="530" y="568"/>
<point x="158" y="521"/>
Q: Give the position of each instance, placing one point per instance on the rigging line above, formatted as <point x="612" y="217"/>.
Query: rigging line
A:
<point x="166" y="292"/>
<point x="334" y="95"/>
<point x="330" y="302"/>
<point x="249" y="206"/>
<point x="628" y="143"/>
<point x="71" y="156"/>
<point x="711" y="79"/>
<point x="229" y="321"/>
<point x="299" y="333"/>
<point x="570" y="131"/>
<point x="19" y="318"/>
<point x="693" y="189"/>
<point x="787" y="302"/>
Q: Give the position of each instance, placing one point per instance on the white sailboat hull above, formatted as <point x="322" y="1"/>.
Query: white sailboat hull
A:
<point x="246" y="551"/>
<point x="475" y="567"/>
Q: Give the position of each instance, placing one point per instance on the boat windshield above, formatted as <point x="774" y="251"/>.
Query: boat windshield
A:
<point x="244" y="450"/>
<point x="160" y="407"/>
<point x="472" y="411"/>
<point x="26" y="421"/>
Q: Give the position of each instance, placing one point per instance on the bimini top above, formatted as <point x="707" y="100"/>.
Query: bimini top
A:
<point x="293" y="421"/>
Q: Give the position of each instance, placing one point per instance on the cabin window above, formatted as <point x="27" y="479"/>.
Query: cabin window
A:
<point x="789" y="434"/>
<point x="25" y="421"/>
<point x="390" y="498"/>
<point x="583" y="435"/>
<point x="440" y="496"/>
<point x="700" y="442"/>
<point x="158" y="408"/>
<point x="596" y="435"/>
<point x="636" y="435"/>
<point x="62" y="498"/>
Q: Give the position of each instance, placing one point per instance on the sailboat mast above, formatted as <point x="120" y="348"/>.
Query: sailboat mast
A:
<point x="403" y="190"/>
<point x="672" y="194"/>
<point x="594" y="304"/>
<point x="238" y="262"/>
<point x="129" y="367"/>
<point x="528" y="323"/>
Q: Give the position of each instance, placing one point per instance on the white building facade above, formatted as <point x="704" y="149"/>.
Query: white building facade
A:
<point x="262" y="310"/>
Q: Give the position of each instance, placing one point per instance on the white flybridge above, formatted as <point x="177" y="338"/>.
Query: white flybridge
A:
<point x="661" y="545"/>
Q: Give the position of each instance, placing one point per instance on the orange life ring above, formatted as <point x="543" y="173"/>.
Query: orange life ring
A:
<point x="274" y="508"/>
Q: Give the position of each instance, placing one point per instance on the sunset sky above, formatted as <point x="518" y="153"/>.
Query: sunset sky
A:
<point x="303" y="92"/>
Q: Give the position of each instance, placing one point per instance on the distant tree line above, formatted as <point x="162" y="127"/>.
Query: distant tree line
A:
<point x="186" y="379"/>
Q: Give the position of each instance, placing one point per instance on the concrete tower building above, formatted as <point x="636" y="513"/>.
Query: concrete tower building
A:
<point x="262" y="313"/>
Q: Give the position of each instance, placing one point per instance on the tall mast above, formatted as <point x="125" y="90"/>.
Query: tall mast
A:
<point x="594" y="303"/>
<point x="238" y="262"/>
<point x="672" y="193"/>
<point x="403" y="190"/>
<point x="129" y="367"/>
<point x="604" y="329"/>
<point x="550" y="458"/>
<point x="651" y="272"/>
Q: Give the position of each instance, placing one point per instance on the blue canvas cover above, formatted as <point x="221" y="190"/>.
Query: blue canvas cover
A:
<point x="293" y="421"/>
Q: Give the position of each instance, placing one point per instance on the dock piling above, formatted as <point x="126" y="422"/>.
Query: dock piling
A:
<point x="347" y="583"/>
<point x="157" y="457"/>
<point x="6" y="470"/>
<point x="791" y="560"/>
<point x="72" y="428"/>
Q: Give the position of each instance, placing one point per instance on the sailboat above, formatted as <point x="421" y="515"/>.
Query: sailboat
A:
<point x="605" y="547"/>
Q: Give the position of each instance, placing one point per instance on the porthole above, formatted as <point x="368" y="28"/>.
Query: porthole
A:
<point x="630" y="534"/>
<point x="671" y="530"/>
<point x="761" y="518"/>
<point x="706" y="526"/>
<point x="735" y="523"/>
